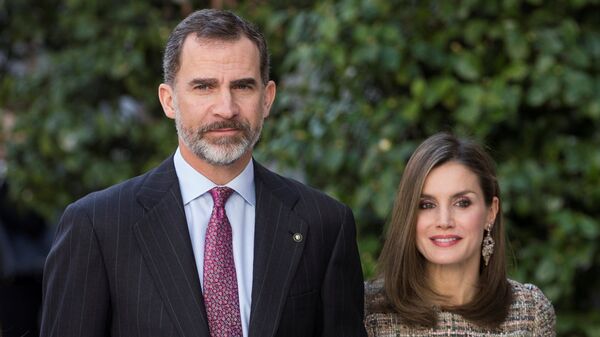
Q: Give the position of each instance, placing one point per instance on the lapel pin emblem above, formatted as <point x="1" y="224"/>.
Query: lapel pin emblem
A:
<point x="297" y="237"/>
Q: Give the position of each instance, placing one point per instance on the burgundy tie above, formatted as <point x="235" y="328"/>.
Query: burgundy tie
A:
<point x="220" y="283"/>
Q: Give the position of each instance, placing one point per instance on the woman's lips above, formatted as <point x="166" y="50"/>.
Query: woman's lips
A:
<point x="445" y="240"/>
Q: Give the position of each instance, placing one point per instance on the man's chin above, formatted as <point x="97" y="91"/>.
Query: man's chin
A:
<point x="222" y="155"/>
<point x="223" y="140"/>
<point x="222" y="162"/>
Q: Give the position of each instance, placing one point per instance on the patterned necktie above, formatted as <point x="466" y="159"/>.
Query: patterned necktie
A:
<point x="220" y="283"/>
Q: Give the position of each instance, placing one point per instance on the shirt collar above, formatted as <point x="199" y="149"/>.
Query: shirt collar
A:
<point x="193" y="184"/>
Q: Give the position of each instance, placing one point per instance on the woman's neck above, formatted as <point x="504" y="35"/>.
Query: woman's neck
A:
<point x="457" y="284"/>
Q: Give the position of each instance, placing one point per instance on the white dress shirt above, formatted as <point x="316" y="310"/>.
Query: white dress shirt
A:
<point x="240" y="209"/>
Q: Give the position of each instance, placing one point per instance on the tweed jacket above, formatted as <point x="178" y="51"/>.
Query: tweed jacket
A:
<point x="530" y="314"/>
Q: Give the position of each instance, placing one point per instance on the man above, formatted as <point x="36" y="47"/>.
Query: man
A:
<point x="210" y="243"/>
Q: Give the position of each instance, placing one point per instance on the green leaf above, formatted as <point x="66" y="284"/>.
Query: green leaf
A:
<point x="467" y="66"/>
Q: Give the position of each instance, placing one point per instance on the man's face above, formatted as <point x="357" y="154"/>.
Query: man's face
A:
<point x="218" y="100"/>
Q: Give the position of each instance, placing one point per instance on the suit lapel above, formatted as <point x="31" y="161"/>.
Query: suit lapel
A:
<point x="163" y="237"/>
<point x="276" y="253"/>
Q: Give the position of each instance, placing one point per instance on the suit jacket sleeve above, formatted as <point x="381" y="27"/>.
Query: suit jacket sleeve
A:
<point x="342" y="291"/>
<point x="76" y="292"/>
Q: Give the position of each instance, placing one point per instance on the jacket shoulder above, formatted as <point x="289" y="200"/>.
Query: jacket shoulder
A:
<point x="375" y="299"/>
<point x="287" y="188"/>
<point x="530" y="301"/>
<point x="128" y="190"/>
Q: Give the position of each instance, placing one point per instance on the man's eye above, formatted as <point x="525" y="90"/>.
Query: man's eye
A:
<point x="202" y="87"/>
<point x="242" y="86"/>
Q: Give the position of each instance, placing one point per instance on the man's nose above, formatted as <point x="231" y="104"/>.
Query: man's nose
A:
<point x="225" y="106"/>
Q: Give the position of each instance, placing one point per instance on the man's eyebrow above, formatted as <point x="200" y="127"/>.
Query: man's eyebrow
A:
<point x="244" y="81"/>
<point x="203" y="81"/>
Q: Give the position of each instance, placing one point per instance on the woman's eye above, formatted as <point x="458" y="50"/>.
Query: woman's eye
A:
<point x="426" y="205"/>
<point x="463" y="203"/>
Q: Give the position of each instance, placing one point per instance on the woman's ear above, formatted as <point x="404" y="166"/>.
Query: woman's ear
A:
<point x="493" y="211"/>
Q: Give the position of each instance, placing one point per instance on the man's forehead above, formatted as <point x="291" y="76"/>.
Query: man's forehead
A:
<point x="215" y="55"/>
<point x="194" y="40"/>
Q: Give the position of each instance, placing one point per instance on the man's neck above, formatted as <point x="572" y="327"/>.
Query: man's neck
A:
<point x="218" y="174"/>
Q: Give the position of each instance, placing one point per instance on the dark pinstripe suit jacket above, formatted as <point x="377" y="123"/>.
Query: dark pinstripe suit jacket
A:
<point x="122" y="264"/>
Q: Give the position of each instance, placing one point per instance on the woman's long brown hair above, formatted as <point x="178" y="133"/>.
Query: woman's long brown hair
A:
<point x="402" y="267"/>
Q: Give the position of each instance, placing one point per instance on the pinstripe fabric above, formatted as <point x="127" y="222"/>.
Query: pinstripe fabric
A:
<point x="122" y="264"/>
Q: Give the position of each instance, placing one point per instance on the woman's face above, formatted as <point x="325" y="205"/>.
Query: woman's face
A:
<point x="452" y="217"/>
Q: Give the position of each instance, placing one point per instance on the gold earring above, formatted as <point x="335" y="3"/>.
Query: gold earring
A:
<point x="488" y="245"/>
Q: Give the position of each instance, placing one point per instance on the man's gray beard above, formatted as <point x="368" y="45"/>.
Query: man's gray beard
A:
<point x="223" y="151"/>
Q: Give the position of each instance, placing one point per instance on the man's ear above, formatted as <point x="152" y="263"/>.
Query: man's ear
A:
<point x="269" y="98"/>
<point x="166" y="95"/>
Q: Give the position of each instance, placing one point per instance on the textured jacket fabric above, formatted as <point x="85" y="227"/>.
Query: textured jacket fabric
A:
<point x="530" y="314"/>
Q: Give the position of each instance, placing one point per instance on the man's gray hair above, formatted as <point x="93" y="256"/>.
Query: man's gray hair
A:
<point x="212" y="24"/>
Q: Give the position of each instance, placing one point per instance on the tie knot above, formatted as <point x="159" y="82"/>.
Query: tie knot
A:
<point x="220" y="195"/>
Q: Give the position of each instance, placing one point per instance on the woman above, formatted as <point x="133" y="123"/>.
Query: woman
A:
<point x="442" y="267"/>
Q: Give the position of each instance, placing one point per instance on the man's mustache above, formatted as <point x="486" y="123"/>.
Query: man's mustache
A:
<point x="232" y="124"/>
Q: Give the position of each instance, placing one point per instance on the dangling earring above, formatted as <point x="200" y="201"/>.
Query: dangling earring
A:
<point x="488" y="245"/>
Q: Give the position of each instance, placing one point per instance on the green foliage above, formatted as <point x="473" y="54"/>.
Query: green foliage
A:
<point x="361" y="83"/>
<point x="81" y="79"/>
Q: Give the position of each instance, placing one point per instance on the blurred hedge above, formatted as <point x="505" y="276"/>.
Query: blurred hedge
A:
<point x="361" y="83"/>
